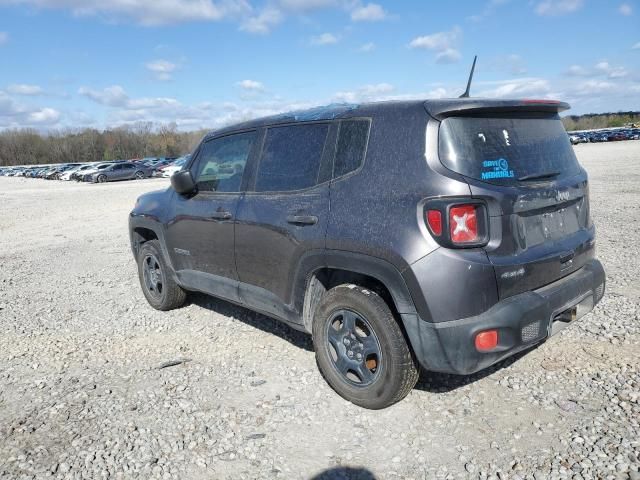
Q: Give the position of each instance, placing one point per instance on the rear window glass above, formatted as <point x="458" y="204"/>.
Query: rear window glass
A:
<point x="291" y="157"/>
<point x="507" y="151"/>
<point x="352" y="145"/>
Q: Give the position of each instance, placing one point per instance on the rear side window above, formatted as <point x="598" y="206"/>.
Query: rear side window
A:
<point x="291" y="157"/>
<point x="507" y="151"/>
<point x="352" y="146"/>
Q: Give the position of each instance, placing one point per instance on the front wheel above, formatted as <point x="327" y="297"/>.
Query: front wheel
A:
<point x="360" y="348"/>
<point x="139" y="175"/>
<point x="102" y="178"/>
<point x="159" y="288"/>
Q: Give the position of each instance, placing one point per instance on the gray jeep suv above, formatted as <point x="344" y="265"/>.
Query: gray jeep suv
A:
<point x="444" y="234"/>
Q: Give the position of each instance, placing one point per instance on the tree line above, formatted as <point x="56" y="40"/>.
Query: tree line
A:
<point x="31" y="147"/>
<point x="600" y="120"/>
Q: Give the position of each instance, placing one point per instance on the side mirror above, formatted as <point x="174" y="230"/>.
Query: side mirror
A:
<point x="182" y="182"/>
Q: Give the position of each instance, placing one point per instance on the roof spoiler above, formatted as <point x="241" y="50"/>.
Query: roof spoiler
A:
<point x="441" y="109"/>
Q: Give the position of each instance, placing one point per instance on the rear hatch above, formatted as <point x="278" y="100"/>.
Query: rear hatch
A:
<point x="519" y="160"/>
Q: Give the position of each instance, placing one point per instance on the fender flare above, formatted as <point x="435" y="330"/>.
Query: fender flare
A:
<point x="377" y="268"/>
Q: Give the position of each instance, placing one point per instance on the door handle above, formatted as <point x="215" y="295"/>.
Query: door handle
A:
<point x="221" y="215"/>
<point x="302" y="219"/>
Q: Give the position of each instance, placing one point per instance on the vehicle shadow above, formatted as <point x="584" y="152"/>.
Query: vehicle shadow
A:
<point x="253" y="319"/>
<point x="432" y="382"/>
<point x="345" y="473"/>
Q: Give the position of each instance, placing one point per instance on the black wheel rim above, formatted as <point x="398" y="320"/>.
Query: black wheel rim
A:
<point x="153" y="276"/>
<point x="353" y="348"/>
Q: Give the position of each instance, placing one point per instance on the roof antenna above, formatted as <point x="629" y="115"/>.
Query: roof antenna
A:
<point x="473" y="67"/>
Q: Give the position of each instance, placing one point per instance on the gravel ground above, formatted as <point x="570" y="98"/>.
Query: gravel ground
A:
<point x="86" y="389"/>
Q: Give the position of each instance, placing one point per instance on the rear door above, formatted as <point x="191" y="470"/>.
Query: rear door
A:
<point x="524" y="167"/>
<point x="285" y="214"/>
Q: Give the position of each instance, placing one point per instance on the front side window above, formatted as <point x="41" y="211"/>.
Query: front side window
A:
<point x="291" y="157"/>
<point x="221" y="162"/>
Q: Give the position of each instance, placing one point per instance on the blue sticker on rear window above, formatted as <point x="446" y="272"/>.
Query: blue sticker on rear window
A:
<point x="499" y="168"/>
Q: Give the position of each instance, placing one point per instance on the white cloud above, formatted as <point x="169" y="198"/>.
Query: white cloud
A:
<point x="162" y="69"/>
<point x="367" y="47"/>
<point x="439" y="41"/>
<point x="18" y="115"/>
<point x="325" y="39"/>
<point x="366" y="93"/>
<point x="450" y="55"/>
<point x="147" y="12"/>
<point x="114" y="96"/>
<point x="522" y="87"/>
<point x="558" y="7"/>
<point x="488" y="9"/>
<point x="600" y="69"/>
<point x="578" y="71"/>
<point x="443" y="43"/>
<point x="625" y="9"/>
<point x="611" y="71"/>
<point x="251" y="85"/>
<point x="4" y="38"/>
<point x="263" y="22"/>
<point x="372" y="12"/>
<point x="24" y="89"/>
<point x="44" y="116"/>
<point x="593" y="87"/>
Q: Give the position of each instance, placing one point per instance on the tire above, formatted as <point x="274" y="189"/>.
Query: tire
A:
<point x="139" y="175"/>
<point x="348" y="325"/>
<point x="159" y="288"/>
<point x="101" y="178"/>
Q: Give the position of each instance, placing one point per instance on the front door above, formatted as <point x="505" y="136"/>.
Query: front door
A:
<point x="200" y="237"/>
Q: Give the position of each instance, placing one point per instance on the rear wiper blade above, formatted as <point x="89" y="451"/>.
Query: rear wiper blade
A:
<point x="538" y="176"/>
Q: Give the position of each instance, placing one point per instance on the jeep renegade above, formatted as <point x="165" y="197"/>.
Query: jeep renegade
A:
<point x="446" y="234"/>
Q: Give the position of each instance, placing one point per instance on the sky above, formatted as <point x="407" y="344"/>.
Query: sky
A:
<point x="208" y="63"/>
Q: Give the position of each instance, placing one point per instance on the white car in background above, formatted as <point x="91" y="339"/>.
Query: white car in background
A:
<point x="174" y="167"/>
<point x="67" y="174"/>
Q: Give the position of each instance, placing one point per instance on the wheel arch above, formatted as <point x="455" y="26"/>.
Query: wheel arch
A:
<point x="339" y="268"/>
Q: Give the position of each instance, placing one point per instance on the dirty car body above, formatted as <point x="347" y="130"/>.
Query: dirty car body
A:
<point x="469" y="217"/>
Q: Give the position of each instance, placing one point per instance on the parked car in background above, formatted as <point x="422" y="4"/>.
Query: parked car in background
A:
<point x="87" y="174"/>
<point x="66" y="175"/>
<point x="174" y="167"/>
<point x="120" y="171"/>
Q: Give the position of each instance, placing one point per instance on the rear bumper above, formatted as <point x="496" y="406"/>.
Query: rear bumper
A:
<point x="522" y="321"/>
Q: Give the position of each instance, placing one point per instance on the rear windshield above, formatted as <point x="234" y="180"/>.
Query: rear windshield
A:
<point x="507" y="151"/>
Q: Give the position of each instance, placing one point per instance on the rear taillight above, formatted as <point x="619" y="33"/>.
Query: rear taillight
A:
<point x="463" y="224"/>
<point x="457" y="222"/>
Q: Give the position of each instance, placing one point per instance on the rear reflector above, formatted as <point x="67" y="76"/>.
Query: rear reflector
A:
<point x="434" y="220"/>
<point x="487" y="340"/>
<point x="463" y="224"/>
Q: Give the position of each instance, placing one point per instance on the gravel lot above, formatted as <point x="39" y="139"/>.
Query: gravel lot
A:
<point x="83" y="394"/>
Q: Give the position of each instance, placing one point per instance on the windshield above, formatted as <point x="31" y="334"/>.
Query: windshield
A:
<point x="507" y="151"/>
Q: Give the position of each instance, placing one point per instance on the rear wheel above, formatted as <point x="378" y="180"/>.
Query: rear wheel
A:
<point x="360" y="348"/>
<point x="159" y="288"/>
<point x="139" y="175"/>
